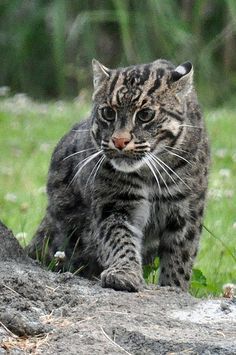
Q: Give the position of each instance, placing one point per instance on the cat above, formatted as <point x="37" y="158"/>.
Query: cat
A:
<point x="129" y="183"/>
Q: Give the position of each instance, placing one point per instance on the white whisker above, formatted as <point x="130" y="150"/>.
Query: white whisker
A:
<point x="167" y="166"/>
<point x="179" y="156"/>
<point x="163" y="168"/>
<point x="92" y="172"/>
<point x="159" y="173"/>
<point x="151" y="168"/>
<point x="179" y="149"/>
<point x="81" y="151"/>
<point x="101" y="162"/>
<point x="94" y="168"/>
<point x="191" y="126"/>
<point x="85" y="162"/>
<point x="80" y="130"/>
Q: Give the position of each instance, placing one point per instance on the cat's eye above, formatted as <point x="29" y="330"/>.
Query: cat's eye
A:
<point x="108" y="113"/>
<point x="145" y="115"/>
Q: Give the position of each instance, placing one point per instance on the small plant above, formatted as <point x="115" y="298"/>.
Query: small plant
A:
<point x="150" y="271"/>
<point x="59" y="261"/>
<point x="198" y="283"/>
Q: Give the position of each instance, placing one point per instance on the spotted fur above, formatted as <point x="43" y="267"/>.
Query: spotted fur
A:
<point x="129" y="183"/>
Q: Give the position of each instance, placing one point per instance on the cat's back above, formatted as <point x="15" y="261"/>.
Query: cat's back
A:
<point x="72" y="148"/>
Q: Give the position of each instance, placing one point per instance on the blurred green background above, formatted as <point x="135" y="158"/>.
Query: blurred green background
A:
<point x="46" y="46"/>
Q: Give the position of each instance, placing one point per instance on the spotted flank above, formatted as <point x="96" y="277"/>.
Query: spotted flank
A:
<point x="129" y="183"/>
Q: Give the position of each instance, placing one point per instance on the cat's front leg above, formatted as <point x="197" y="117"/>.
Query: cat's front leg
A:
<point x="119" y="252"/>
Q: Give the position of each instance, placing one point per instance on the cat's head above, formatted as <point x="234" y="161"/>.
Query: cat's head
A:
<point x="139" y="110"/>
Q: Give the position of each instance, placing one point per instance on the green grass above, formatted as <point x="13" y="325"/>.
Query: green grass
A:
<point x="28" y="133"/>
<point x="46" y="47"/>
<point x="217" y="257"/>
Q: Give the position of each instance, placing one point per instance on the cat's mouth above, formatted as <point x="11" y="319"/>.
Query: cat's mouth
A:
<point x="126" y="163"/>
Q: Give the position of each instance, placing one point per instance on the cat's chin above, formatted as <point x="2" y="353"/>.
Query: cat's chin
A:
<point x="126" y="167"/>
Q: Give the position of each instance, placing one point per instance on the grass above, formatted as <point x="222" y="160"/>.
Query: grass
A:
<point x="46" y="46"/>
<point x="28" y="133"/>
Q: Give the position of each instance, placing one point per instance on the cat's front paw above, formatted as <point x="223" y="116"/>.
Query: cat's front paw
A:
<point x="122" y="279"/>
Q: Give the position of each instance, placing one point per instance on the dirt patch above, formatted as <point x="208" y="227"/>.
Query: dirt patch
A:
<point x="47" y="313"/>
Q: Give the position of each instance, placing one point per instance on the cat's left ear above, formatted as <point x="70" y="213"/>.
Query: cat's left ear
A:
<point x="182" y="77"/>
<point x="100" y="73"/>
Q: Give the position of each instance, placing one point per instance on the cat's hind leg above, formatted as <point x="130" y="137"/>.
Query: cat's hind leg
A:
<point x="177" y="250"/>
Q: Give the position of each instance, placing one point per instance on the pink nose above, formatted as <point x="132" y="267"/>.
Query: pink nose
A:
<point x="120" y="143"/>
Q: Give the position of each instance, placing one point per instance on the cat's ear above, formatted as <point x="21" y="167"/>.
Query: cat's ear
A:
<point x="100" y="73"/>
<point x="182" y="77"/>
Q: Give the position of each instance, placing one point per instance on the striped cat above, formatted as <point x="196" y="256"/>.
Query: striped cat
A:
<point x="129" y="183"/>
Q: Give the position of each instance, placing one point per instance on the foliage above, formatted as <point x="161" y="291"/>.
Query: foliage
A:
<point x="46" y="47"/>
<point x="30" y="130"/>
<point x="150" y="272"/>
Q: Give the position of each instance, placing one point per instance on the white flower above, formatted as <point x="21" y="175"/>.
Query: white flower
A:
<point x="21" y="236"/>
<point x="42" y="190"/>
<point x="234" y="157"/>
<point x="221" y="153"/>
<point x="44" y="147"/>
<point x="228" y="193"/>
<point x="4" y="90"/>
<point x="10" y="197"/>
<point x="225" y="172"/>
<point x="214" y="194"/>
<point x="217" y="194"/>
<point x="60" y="105"/>
<point x="228" y="290"/>
<point x="5" y="170"/>
<point x="60" y="255"/>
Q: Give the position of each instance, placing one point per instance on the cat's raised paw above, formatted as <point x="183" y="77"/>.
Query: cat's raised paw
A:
<point x="122" y="279"/>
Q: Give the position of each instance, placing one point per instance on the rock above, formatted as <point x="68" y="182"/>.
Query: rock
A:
<point x="78" y="316"/>
<point x="10" y="248"/>
<point x="21" y="325"/>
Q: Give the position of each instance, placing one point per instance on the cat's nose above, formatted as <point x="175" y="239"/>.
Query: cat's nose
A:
<point x="120" y="142"/>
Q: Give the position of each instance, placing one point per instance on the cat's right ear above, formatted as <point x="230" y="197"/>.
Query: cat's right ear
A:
<point x="100" y="73"/>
